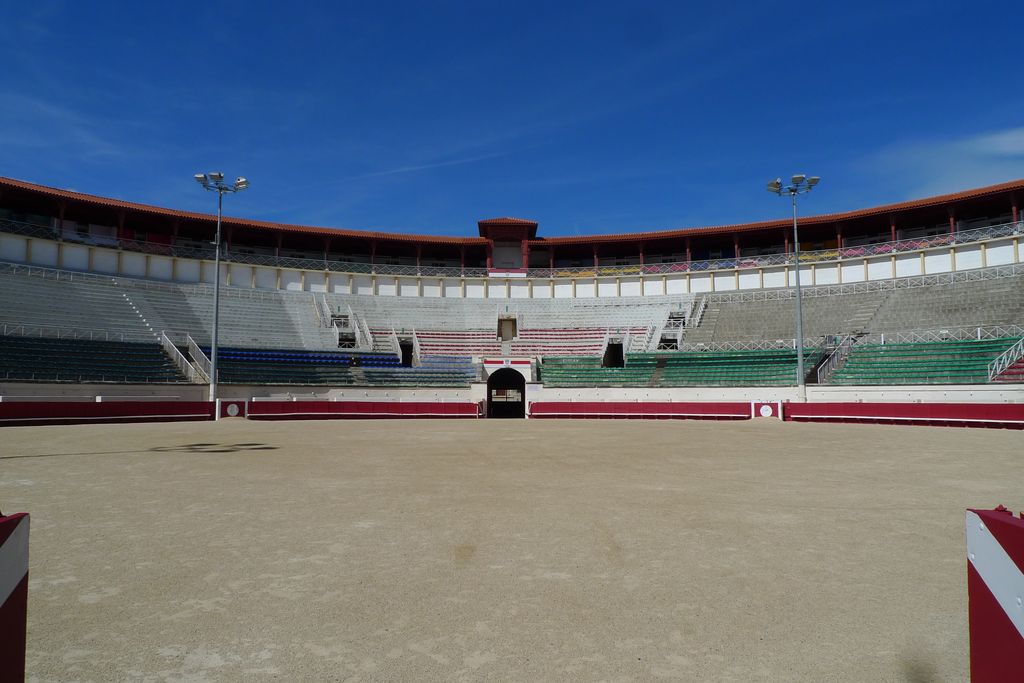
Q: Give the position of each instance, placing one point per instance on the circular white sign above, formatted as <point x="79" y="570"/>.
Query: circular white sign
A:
<point x="232" y="410"/>
<point x="766" y="410"/>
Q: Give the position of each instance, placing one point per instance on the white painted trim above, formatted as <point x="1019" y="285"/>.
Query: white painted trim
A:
<point x="908" y="419"/>
<point x="333" y="414"/>
<point x="1000" y="573"/>
<point x="13" y="560"/>
<point x="547" y="414"/>
<point x="97" y="417"/>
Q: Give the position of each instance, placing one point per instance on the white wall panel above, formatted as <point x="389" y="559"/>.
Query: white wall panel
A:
<point x="474" y="289"/>
<point x="453" y="289"/>
<point x="266" y="278"/>
<point x="563" y="289"/>
<point x="968" y="257"/>
<point x="775" y="277"/>
<point x="749" y="279"/>
<point x="853" y="271"/>
<point x="699" y="283"/>
<point x="630" y="286"/>
<point x="185" y="270"/>
<point x="826" y="274"/>
<point x="160" y="268"/>
<point x="653" y="286"/>
<point x="880" y="268"/>
<point x="12" y="248"/>
<point x="291" y="280"/>
<point x="76" y="257"/>
<point x="408" y="287"/>
<point x="241" y="276"/>
<point x="585" y="289"/>
<point x="132" y="264"/>
<point x="520" y="289"/>
<point x="386" y="286"/>
<point x="44" y="253"/>
<point x="999" y="253"/>
<point x="607" y="288"/>
<point x="725" y="282"/>
<point x="364" y="284"/>
<point x="937" y="262"/>
<point x="431" y="288"/>
<point x="908" y="264"/>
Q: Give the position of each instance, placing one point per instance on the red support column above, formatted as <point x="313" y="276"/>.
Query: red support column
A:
<point x="373" y="253"/>
<point x="277" y="246"/>
<point x="641" y="253"/>
<point x="175" y="228"/>
<point x="1014" y="213"/>
<point x="839" y="236"/>
<point x="526" y="254"/>
<point x="736" y="246"/>
<point x="952" y="221"/>
<point x="551" y="258"/>
<point x="594" y="247"/>
<point x="60" y="221"/>
<point x="490" y="254"/>
<point x="228" y="232"/>
<point x="462" y="259"/>
<point x="892" y="228"/>
<point x="419" y="255"/>
<point x="785" y="238"/>
<point x="689" y="254"/>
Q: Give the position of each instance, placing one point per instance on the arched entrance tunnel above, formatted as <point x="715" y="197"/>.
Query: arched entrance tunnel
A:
<point x="506" y="394"/>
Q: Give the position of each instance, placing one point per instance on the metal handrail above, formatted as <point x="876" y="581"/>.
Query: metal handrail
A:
<point x="187" y="368"/>
<point x="1006" y="359"/>
<point x="740" y="263"/>
<point x="201" y="360"/>
<point x="841" y="351"/>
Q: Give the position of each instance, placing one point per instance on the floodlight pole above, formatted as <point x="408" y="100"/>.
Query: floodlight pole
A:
<point x="800" y="184"/>
<point x="214" y="182"/>
<point x="801" y="376"/>
<point x="216" y="296"/>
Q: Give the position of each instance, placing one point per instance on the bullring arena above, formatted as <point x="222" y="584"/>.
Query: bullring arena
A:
<point x="509" y="457"/>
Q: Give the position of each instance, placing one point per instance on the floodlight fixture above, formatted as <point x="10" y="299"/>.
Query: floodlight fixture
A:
<point x="798" y="178"/>
<point x="775" y="186"/>
<point x="200" y="178"/>
<point x="812" y="181"/>
<point x="216" y="176"/>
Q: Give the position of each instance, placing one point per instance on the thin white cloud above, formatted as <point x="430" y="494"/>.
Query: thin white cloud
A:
<point x="924" y="168"/>
<point x="427" y="166"/>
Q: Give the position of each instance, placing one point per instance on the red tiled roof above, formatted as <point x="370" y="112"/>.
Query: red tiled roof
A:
<point x="508" y="220"/>
<point x="928" y="202"/>
<point x="236" y="222"/>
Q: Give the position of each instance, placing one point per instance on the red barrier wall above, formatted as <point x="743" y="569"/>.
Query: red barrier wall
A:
<point x="72" y="412"/>
<point x="647" y="410"/>
<point x="359" y="410"/>
<point x="1010" y="415"/>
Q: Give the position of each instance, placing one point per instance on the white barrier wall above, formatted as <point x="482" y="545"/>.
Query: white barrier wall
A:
<point x="101" y="259"/>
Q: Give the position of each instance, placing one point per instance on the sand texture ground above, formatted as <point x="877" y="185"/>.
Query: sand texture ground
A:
<point x="501" y="550"/>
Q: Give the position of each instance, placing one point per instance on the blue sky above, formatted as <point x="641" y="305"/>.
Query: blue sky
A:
<point x="587" y="117"/>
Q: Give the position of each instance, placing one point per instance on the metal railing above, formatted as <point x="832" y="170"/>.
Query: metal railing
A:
<point x="188" y="369"/>
<point x="828" y="368"/>
<point x="16" y="329"/>
<point x="357" y="267"/>
<point x="200" y="360"/>
<point x="1006" y="359"/>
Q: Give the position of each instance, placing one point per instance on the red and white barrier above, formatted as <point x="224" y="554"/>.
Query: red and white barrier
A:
<point x="995" y="593"/>
<point x="358" y="410"/>
<point x="77" y="412"/>
<point x="652" y="410"/>
<point x="13" y="595"/>
<point x="1001" y="415"/>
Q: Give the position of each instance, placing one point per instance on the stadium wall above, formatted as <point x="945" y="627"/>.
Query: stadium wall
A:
<point x="108" y="261"/>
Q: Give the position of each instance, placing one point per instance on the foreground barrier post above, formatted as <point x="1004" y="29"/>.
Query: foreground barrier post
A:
<point x="995" y="595"/>
<point x="13" y="595"/>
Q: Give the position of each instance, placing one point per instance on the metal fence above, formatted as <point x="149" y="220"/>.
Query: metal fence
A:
<point x="1006" y="359"/>
<point x="411" y="270"/>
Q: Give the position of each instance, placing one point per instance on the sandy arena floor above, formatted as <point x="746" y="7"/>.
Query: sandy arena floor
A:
<point x="501" y="550"/>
